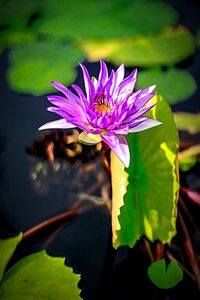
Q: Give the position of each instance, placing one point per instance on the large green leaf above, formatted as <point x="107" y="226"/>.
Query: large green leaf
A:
<point x="34" y="65"/>
<point x="145" y="204"/>
<point x="174" y="85"/>
<point x="105" y="19"/>
<point x="7" y="248"/>
<point x="39" y="276"/>
<point x="166" y="48"/>
<point x="165" y="277"/>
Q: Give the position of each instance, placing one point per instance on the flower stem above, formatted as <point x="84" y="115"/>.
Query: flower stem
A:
<point x="190" y="251"/>
<point x="63" y="217"/>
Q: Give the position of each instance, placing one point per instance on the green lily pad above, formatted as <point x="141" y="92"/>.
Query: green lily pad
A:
<point x="39" y="276"/>
<point x="145" y="195"/>
<point x="14" y="37"/>
<point x="174" y="85"/>
<point x="166" y="49"/>
<point x="18" y="13"/>
<point x="105" y="19"/>
<point x="189" y="157"/>
<point x="34" y="65"/>
<point x="7" y="248"/>
<point x="165" y="277"/>
<point x="188" y="122"/>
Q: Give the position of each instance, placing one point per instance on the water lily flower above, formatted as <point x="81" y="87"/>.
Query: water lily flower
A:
<point x="108" y="112"/>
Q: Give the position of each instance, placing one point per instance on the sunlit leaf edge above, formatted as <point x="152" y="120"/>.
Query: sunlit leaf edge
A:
<point x="7" y="248"/>
<point x="117" y="208"/>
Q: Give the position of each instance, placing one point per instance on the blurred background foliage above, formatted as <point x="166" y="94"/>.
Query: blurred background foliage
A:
<point x="49" y="38"/>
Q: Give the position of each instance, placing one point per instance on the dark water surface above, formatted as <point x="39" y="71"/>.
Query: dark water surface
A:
<point x="25" y="201"/>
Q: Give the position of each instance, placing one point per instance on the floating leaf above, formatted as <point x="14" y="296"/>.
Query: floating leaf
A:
<point x="174" y="85"/>
<point x="105" y="19"/>
<point x="14" y="37"/>
<point x="13" y="13"/>
<point x="165" y="277"/>
<point x="167" y="49"/>
<point x="39" y="276"/>
<point x="149" y="204"/>
<point x="188" y="158"/>
<point x="34" y="65"/>
<point x="187" y="121"/>
<point x="7" y="248"/>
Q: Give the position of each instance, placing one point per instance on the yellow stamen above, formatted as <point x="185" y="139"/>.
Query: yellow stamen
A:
<point x="102" y="107"/>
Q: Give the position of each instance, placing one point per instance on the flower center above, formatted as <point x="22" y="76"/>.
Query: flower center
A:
<point x="102" y="105"/>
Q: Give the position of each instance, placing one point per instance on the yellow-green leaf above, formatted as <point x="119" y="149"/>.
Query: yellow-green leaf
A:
<point x="167" y="48"/>
<point x="89" y="138"/>
<point x="34" y="65"/>
<point x="147" y="205"/>
<point x="175" y="85"/>
<point x="40" y="276"/>
<point x="188" y="158"/>
<point x="188" y="122"/>
<point x="7" y="248"/>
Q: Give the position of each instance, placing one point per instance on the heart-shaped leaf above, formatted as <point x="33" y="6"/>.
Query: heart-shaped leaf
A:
<point x="165" y="277"/>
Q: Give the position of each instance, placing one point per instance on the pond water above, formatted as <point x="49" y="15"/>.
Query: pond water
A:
<point x="32" y="190"/>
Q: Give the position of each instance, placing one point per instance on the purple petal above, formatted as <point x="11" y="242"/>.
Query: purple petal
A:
<point x="81" y="95"/>
<point x="119" y="74"/>
<point x="68" y="108"/>
<point x="58" y="124"/>
<point x="118" y="77"/>
<point x="119" y="146"/>
<point x="103" y="74"/>
<point x="131" y="115"/>
<point x="65" y="91"/>
<point x="148" y="123"/>
<point x="136" y="122"/>
<point x="64" y="103"/>
<point x="141" y="101"/>
<point x="76" y="120"/>
<point x="121" y="130"/>
<point x="147" y="91"/>
<point x="109" y="84"/>
<point x="59" y="111"/>
<point x="128" y="83"/>
<point x="89" y="87"/>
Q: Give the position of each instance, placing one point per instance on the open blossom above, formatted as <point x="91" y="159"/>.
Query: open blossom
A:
<point x="109" y="111"/>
